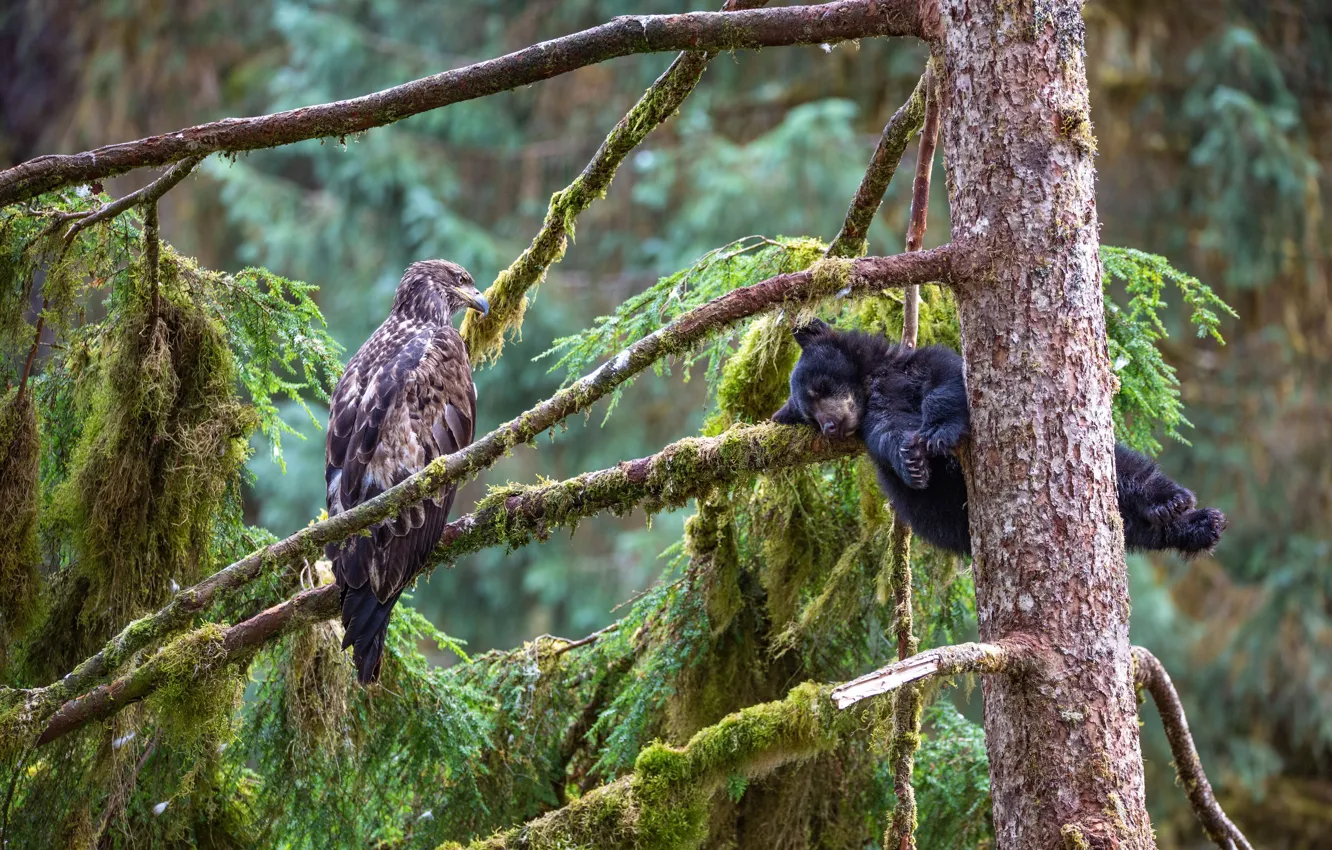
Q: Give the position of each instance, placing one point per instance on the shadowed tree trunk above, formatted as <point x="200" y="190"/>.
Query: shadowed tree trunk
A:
<point x="1061" y="731"/>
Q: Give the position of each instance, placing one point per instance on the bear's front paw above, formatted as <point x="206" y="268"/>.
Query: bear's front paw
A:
<point x="1167" y="511"/>
<point x="917" y="463"/>
<point x="1197" y="532"/>
<point x="940" y="440"/>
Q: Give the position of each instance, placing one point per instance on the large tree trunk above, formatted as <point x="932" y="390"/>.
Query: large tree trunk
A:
<point x="1062" y="733"/>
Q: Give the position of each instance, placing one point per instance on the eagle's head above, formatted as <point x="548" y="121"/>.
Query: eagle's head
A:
<point x="436" y="289"/>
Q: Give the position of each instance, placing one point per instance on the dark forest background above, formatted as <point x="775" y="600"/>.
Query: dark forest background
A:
<point x="1214" y="129"/>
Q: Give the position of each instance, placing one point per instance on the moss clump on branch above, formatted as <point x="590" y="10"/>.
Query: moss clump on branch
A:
<point x="19" y="557"/>
<point x="163" y="438"/>
<point x="665" y="802"/>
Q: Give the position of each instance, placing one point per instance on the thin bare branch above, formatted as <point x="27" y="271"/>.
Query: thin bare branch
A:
<point x="852" y="239"/>
<point x="710" y="31"/>
<point x="940" y="661"/>
<point x="507" y="296"/>
<point x="908" y="701"/>
<point x="683" y="470"/>
<point x="148" y="196"/>
<point x="920" y="198"/>
<point x="1152" y="677"/>
<point x="854" y="277"/>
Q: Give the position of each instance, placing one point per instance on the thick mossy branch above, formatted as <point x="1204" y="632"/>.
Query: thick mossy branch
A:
<point x="666" y="801"/>
<point x="940" y="661"/>
<point x="191" y="660"/>
<point x="508" y="294"/>
<point x="853" y="238"/>
<point x="698" y="31"/>
<point x="856" y="277"/>
<point x="512" y="516"/>
<point x="1151" y="676"/>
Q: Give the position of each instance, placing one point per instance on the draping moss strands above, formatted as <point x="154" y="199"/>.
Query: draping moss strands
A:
<point x="19" y="556"/>
<point x="164" y="435"/>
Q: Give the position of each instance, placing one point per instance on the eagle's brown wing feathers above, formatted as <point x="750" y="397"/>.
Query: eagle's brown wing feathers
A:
<point x="406" y="398"/>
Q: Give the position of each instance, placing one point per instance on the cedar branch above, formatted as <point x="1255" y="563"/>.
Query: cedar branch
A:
<point x="703" y="31"/>
<point x="507" y="296"/>
<point x="1152" y="677"/>
<point x="512" y="516"/>
<point x="858" y="277"/>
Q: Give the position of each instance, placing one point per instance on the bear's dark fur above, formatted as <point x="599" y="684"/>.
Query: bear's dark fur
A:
<point x="909" y="408"/>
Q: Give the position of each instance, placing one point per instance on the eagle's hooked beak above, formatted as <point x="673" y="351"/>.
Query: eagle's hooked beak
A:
<point x="477" y="301"/>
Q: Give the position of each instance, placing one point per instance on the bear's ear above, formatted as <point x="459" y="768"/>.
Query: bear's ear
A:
<point x="788" y="415"/>
<point x="810" y="331"/>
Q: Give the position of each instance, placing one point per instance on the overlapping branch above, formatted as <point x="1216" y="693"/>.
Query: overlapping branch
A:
<point x="507" y="296"/>
<point x="1152" y="677"/>
<point x="698" y="31"/>
<point x="512" y="517"/>
<point x="829" y="277"/>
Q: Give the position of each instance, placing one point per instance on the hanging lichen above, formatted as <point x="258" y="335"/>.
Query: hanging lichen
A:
<point x="164" y="435"/>
<point x="18" y="517"/>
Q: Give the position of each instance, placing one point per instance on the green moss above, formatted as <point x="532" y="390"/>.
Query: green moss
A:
<point x="754" y="383"/>
<point x="19" y="557"/>
<point x="163" y="438"/>
<point x="199" y="690"/>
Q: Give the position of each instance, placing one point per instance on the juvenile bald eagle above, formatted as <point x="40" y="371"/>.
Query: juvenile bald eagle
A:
<point x="406" y="398"/>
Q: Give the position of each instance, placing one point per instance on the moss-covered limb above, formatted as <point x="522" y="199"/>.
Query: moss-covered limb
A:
<point x="147" y="196"/>
<point x="852" y="239"/>
<point x="191" y="657"/>
<point x="907" y="700"/>
<point x="710" y="31"/>
<point x="484" y="334"/>
<point x="664" y="803"/>
<point x="940" y="661"/>
<point x="857" y="277"/>
<point x="1151" y="676"/>
<point x="511" y="516"/>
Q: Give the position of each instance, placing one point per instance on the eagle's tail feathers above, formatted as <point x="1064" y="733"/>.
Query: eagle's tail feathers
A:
<point x="365" y="620"/>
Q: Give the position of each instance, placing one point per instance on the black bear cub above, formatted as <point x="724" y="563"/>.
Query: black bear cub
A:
<point x="909" y="407"/>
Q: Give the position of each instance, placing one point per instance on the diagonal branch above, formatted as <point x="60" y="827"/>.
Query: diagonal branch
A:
<point x="508" y="294"/>
<point x="854" y="277"/>
<point x="704" y="31"/>
<point x="852" y="239"/>
<point x="512" y="516"/>
<point x="147" y="196"/>
<point x="1152" y="677"/>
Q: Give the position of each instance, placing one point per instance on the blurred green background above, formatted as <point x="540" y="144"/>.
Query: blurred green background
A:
<point x="1214" y="124"/>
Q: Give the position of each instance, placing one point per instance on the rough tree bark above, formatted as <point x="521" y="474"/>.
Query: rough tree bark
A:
<point x="1065" y="762"/>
